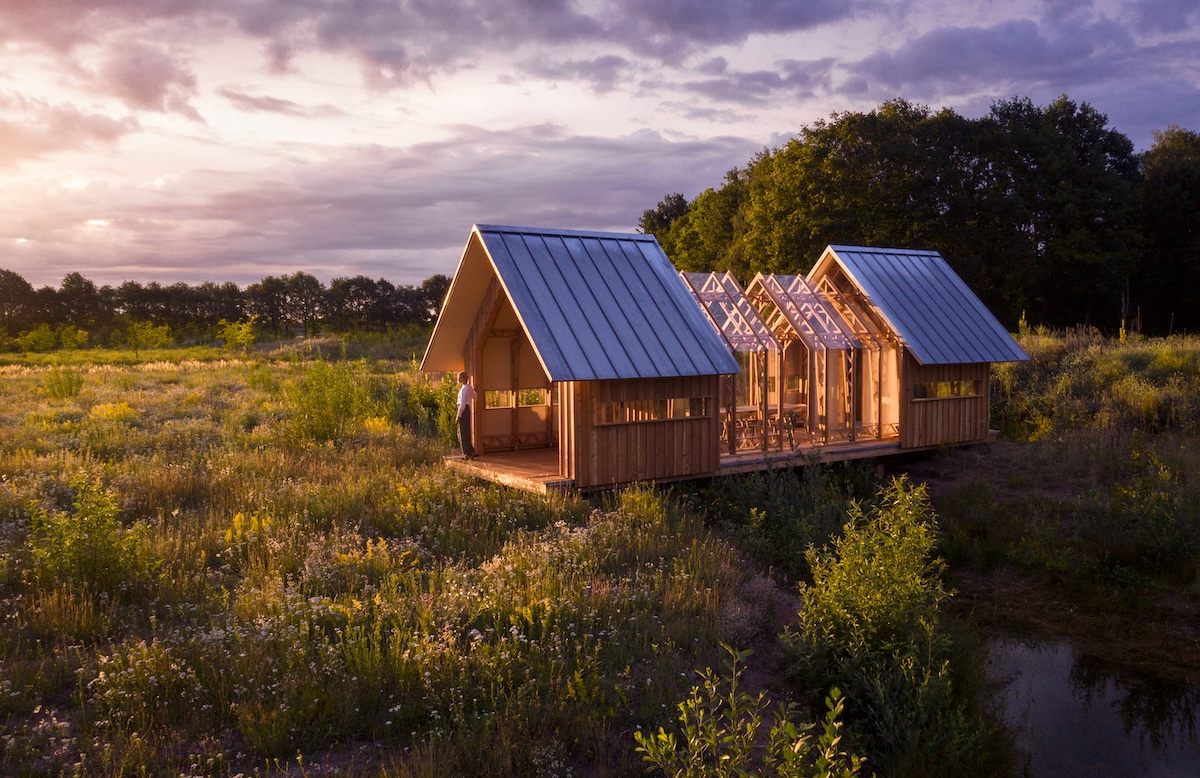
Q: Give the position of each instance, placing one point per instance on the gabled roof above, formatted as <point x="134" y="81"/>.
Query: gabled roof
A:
<point x="806" y="311"/>
<point x="731" y="312"/>
<point x="929" y="307"/>
<point x="595" y="305"/>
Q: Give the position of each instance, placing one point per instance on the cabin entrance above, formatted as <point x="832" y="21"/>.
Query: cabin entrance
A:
<point x="517" y="403"/>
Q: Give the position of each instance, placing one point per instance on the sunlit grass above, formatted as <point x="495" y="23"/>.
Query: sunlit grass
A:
<point x="270" y="587"/>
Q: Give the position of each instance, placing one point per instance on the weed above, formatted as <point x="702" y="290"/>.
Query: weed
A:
<point x="63" y="383"/>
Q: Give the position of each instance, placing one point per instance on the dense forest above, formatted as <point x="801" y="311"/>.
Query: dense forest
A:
<point x="1046" y="212"/>
<point x="80" y="313"/>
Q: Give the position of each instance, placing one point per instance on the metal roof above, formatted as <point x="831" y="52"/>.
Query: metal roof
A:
<point x="595" y="305"/>
<point x="731" y="312"/>
<point x="930" y="308"/>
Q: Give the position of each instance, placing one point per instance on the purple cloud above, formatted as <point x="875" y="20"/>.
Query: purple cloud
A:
<point x="148" y="78"/>
<point x="602" y="74"/>
<point x="266" y="104"/>
<point x="37" y="128"/>
<point x="398" y="213"/>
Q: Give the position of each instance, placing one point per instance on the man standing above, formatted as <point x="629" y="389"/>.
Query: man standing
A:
<point x="466" y="396"/>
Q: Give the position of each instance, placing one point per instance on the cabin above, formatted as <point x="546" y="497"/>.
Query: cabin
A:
<point x="593" y="364"/>
<point x="597" y="364"/>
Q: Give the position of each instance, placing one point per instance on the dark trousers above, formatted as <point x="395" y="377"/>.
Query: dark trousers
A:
<point x="464" y="432"/>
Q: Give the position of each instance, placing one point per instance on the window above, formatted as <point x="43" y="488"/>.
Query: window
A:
<point x="936" y="390"/>
<point x="529" y="397"/>
<point x="637" y="411"/>
<point x="499" y="398"/>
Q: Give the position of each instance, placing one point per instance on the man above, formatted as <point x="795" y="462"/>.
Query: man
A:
<point x="466" y="396"/>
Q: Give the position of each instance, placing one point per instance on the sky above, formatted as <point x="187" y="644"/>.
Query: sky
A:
<point x="229" y="140"/>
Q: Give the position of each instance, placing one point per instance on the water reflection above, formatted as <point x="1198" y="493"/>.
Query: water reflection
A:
<point x="1078" y="715"/>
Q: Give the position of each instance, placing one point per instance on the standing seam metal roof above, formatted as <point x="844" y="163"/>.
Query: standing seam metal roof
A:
<point x="599" y="305"/>
<point x="939" y="318"/>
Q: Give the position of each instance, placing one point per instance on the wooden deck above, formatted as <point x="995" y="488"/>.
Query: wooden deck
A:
<point x="536" y="470"/>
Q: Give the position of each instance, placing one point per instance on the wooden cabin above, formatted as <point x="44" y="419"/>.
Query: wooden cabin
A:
<point x="934" y="341"/>
<point x="597" y="364"/>
<point x="593" y="364"/>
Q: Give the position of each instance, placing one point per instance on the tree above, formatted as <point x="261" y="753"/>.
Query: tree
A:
<point x="658" y="220"/>
<point x="433" y="294"/>
<point x="80" y="302"/>
<point x="142" y="334"/>
<point x="268" y="300"/>
<point x="237" y="334"/>
<point x="40" y="338"/>
<point x="17" y="301"/>
<point x="1168" y="284"/>
<point x="304" y="297"/>
<point x="71" y="337"/>
<point x="704" y="237"/>
<point x="1071" y="182"/>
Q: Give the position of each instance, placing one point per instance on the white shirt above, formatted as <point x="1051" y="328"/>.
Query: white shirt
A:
<point x="466" y="396"/>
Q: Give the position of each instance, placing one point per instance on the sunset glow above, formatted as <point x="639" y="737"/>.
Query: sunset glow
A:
<point x="198" y="140"/>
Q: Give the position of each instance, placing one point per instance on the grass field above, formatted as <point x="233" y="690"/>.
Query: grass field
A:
<point x="213" y="565"/>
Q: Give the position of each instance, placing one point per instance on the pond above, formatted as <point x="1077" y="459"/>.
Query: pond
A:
<point x="1074" y="714"/>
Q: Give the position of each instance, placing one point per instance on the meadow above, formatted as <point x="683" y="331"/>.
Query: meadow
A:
<point x="215" y="564"/>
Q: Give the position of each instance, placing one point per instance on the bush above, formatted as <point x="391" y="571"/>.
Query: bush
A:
<point x="89" y="547"/>
<point x="328" y="401"/>
<point x="144" y="335"/>
<point x="721" y="727"/>
<point x="71" y="337"/>
<point x="869" y="625"/>
<point x="63" y="383"/>
<point x="775" y="516"/>
<point x="1144" y="521"/>
<point x="237" y="335"/>
<point x="430" y="408"/>
<point x="40" y="338"/>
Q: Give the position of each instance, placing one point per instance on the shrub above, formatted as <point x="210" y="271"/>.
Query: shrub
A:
<point x="40" y="338"/>
<point x="777" y="515"/>
<point x="1144" y="521"/>
<point x="143" y="335"/>
<point x="237" y="334"/>
<point x="71" y="337"/>
<point x="327" y="401"/>
<point x="721" y="727"/>
<point x="430" y="407"/>
<point x="89" y="547"/>
<point x="869" y="625"/>
<point x="63" y="383"/>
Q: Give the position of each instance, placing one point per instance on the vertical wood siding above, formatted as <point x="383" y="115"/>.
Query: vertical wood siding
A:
<point x="601" y="455"/>
<point x="933" y="422"/>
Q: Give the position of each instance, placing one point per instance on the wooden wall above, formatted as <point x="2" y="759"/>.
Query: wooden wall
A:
<point x="933" y="421"/>
<point x="605" y="454"/>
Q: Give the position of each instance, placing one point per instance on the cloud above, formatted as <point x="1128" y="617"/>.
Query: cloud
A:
<point x="34" y="128"/>
<point x="671" y="29"/>
<point x="1019" y="53"/>
<point x="266" y="104"/>
<point x="399" y="42"/>
<point x="799" y="80"/>
<point x="149" y="78"/>
<point x="602" y="74"/>
<point x="1166" y="16"/>
<point x="398" y="213"/>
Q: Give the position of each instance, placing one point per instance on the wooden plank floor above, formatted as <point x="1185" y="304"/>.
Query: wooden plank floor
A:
<point x="837" y="451"/>
<point x="535" y="470"/>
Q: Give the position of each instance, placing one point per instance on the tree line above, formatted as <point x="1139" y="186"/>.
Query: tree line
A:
<point x="1047" y="213"/>
<point x="79" y="312"/>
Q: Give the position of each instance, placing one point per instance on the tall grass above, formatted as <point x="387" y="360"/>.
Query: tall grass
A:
<point x="200" y="576"/>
